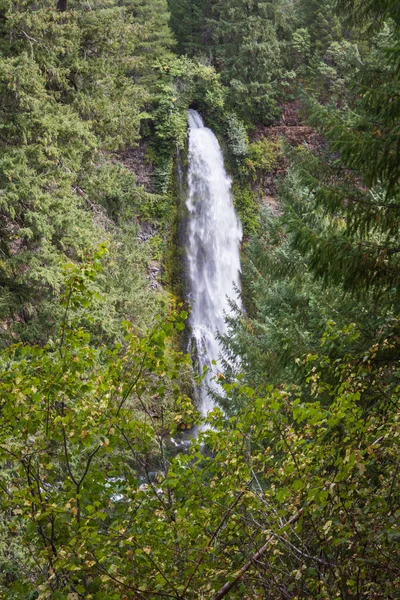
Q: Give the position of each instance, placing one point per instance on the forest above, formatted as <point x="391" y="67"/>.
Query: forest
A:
<point x="114" y="483"/>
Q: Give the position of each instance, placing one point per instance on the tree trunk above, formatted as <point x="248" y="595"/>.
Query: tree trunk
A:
<point x="62" y="5"/>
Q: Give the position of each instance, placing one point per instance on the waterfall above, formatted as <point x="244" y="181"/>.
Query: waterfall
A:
<point x="213" y="244"/>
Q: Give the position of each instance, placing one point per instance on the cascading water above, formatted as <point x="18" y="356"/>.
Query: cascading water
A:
<point x="214" y="235"/>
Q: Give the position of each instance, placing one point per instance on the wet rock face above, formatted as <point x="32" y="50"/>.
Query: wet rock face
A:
<point x="135" y="159"/>
<point x="147" y="230"/>
<point x="153" y="275"/>
<point x="290" y="127"/>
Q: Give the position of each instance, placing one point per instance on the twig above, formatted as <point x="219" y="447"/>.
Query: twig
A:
<point x="304" y="554"/>
<point x="229" y="584"/>
<point x="212" y="538"/>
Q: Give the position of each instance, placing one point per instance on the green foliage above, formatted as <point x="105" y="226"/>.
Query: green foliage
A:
<point x="333" y="255"/>
<point x="91" y="419"/>
<point x="154" y="38"/>
<point x="263" y="155"/>
<point x="296" y="481"/>
<point x="287" y="309"/>
<point x="293" y="491"/>
<point x="301" y="42"/>
<point x="188" y="22"/>
<point x="240" y="39"/>
<point x="327" y="54"/>
<point x="245" y="200"/>
<point x="182" y="82"/>
<point x="341" y="206"/>
<point x="321" y="283"/>
<point x="319" y="25"/>
<point x="322" y="460"/>
<point x="351" y="235"/>
<point x="74" y="85"/>
<point x="247" y="54"/>
<point x="373" y="10"/>
<point x="236" y="134"/>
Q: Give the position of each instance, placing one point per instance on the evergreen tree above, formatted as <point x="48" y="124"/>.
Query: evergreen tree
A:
<point x="73" y="86"/>
<point x="288" y="311"/>
<point x="321" y="21"/>
<point x="247" y="54"/>
<point x="190" y="21"/>
<point x="295" y="495"/>
<point x="352" y="232"/>
<point x="334" y="253"/>
<point x="154" y="38"/>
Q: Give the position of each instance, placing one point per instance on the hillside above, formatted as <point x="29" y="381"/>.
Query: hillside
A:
<point x="199" y="299"/>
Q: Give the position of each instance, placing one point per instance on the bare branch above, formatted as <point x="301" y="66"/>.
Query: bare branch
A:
<point x="212" y="538"/>
<point x="229" y="584"/>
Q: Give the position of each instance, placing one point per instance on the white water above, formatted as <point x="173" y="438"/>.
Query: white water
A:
<point x="214" y="235"/>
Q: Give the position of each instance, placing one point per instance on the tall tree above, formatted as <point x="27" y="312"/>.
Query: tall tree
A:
<point x="190" y="22"/>
<point x="154" y="38"/>
<point x="73" y="87"/>
<point x="247" y="54"/>
<point x="320" y="19"/>
<point x="334" y="254"/>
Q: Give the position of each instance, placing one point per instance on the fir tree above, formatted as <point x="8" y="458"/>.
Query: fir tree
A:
<point x="191" y="26"/>
<point x="73" y="85"/>
<point x="319" y="18"/>
<point x="334" y="253"/>
<point x="352" y="234"/>
<point x="247" y="54"/>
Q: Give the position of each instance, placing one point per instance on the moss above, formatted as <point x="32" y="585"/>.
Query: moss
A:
<point x="156" y="208"/>
<point x="162" y="174"/>
<point x="174" y="259"/>
<point x="150" y="155"/>
<point x="247" y="207"/>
